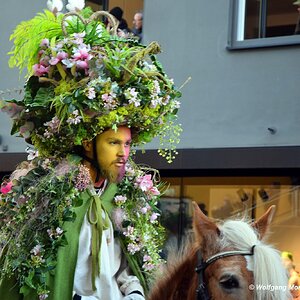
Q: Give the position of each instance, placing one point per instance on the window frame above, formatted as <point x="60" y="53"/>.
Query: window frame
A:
<point x="234" y="44"/>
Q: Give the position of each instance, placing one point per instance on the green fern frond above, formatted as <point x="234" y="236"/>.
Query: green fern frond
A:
<point x="28" y="36"/>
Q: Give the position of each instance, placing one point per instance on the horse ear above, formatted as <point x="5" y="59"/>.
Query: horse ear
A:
<point x="262" y="224"/>
<point x="203" y="225"/>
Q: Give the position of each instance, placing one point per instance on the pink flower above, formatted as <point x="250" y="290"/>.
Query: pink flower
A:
<point x="62" y="55"/>
<point x="146" y="258"/>
<point x="148" y="266"/>
<point x="145" y="209"/>
<point x="53" y="61"/>
<point x="6" y="187"/>
<point x="59" y="57"/>
<point x="132" y="248"/>
<point x="144" y="183"/>
<point x="154" y="191"/>
<point x="153" y="217"/>
<point x="40" y="70"/>
<point x="82" y="64"/>
<point x="80" y="54"/>
<point x="45" y="43"/>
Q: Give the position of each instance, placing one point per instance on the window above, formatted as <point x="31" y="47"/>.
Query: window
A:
<point x="262" y="23"/>
<point x="233" y="197"/>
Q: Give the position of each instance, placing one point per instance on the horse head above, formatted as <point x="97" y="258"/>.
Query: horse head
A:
<point x="236" y="262"/>
<point x="227" y="260"/>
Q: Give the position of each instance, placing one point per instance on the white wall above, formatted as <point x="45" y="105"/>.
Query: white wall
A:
<point x="233" y="97"/>
<point x="11" y="14"/>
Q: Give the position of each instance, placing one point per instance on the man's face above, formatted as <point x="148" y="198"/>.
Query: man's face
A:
<point x="113" y="149"/>
<point x="138" y="21"/>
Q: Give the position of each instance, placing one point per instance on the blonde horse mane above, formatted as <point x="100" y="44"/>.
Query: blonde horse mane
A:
<point x="270" y="277"/>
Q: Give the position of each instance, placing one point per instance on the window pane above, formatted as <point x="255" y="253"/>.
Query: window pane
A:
<point x="252" y="19"/>
<point x="263" y="23"/>
<point x="269" y="18"/>
<point x="281" y="18"/>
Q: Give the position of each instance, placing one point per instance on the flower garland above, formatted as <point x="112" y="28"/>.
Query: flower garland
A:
<point x="35" y="206"/>
<point x="136" y="220"/>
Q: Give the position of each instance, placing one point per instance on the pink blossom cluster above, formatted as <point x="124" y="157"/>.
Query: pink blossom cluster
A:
<point x="148" y="265"/>
<point x="6" y="187"/>
<point x="133" y="248"/>
<point x="110" y="101"/>
<point x="145" y="183"/>
<point x="78" y="57"/>
<point x="52" y="127"/>
<point x="83" y="179"/>
<point x="129" y="232"/>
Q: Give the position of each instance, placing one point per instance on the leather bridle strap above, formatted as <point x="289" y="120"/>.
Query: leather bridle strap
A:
<point x="202" y="292"/>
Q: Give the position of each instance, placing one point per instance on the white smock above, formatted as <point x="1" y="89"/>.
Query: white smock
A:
<point x="114" y="281"/>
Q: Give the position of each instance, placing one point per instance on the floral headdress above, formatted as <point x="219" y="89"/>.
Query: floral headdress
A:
<point x="84" y="78"/>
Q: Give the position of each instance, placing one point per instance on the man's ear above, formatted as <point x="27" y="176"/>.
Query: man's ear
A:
<point x="87" y="146"/>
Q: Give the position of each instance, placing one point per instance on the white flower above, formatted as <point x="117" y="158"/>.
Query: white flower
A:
<point x="74" y="118"/>
<point x="74" y="5"/>
<point x="59" y="231"/>
<point x="43" y="296"/>
<point x="55" y="4"/>
<point x="91" y="93"/>
<point x="32" y="154"/>
<point x="36" y="250"/>
<point x="119" y="199"/>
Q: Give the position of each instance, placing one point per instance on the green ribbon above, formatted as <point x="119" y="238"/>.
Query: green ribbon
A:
<point x="99" y="220"/>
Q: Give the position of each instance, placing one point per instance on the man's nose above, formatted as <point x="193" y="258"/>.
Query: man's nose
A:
<point x="121" y="151"/>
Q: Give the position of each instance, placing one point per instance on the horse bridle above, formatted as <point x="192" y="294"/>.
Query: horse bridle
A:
<point x="202" y="291"/>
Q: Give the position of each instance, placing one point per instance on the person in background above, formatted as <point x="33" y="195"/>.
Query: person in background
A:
<point x="117" y="12"/>
<point x="137" y="29"/>
<point x="294" y="279"/>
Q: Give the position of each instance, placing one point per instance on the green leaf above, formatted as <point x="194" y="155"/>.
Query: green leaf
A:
<point x="25" y="290"/>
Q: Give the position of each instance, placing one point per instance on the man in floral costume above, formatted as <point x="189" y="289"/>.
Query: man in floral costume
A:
<point x="79" y="219"/>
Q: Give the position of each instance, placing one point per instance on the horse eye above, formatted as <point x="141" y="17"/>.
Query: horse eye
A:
<point x="229" y="282"/>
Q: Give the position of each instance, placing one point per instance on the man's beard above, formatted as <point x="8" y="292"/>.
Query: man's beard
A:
<point x="111" y="176"/>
